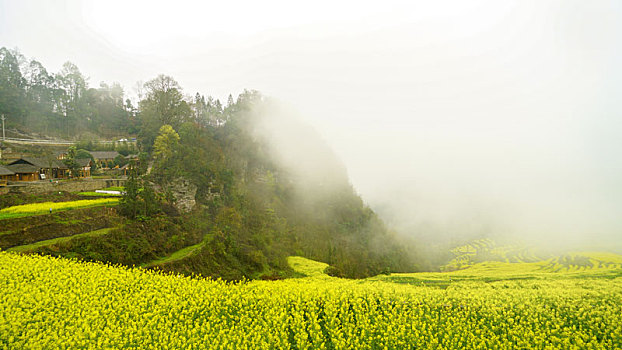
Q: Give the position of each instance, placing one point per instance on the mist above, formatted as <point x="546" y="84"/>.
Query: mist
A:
<point x="454" y="120"/>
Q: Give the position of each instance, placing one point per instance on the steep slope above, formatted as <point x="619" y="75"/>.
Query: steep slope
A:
<point x="275" y="189"/>
<point x="267" y="187"/>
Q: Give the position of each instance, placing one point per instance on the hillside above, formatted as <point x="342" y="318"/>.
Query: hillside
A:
<point x="233" y="188"/>
<point x="255" y="188"/>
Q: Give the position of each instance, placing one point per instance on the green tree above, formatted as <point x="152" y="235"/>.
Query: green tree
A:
<point x="163" y="105"/>
<point x="12" y="85"/>
<point x="120" y="160"/>
<point x="82" y="154"/>
<point x="70" y="161"/>
<point x="129" y="205"/>
<point x="165" y="144"/>
<point x="139" y="199"/>
<point x="74" y="103"/>
<point x="40" y="95"/>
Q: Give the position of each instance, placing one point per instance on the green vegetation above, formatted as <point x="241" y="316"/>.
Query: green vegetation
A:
<point x="255" y="208"/>
<point x="180" y="254"/>
<point x="98" y="194"/>
<point x="135" y="243"/>
<point x="61" y="104"/>
<point x="59" y="303"/>
<point x="139" y="200"/>
<point x="31" y="229"/>
<point x="44" y="208"/>
<point x="114" y="188"/>
<point x="33" y="246"/>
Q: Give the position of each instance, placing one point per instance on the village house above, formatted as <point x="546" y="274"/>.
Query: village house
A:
<point x="23" y="172"/>
<point x="104" y="159"/>
<point x="6" y="175"/>
<point x="49" y="168"/>
<point x="132" y="164"/>
<point x="85" y="167"/>
<point x="43" y="168"/>
<point x="61" y="155"/>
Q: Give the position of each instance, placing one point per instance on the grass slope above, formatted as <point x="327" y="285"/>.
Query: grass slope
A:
<point x="48" y="242"/>
<point x="175" y="256"/>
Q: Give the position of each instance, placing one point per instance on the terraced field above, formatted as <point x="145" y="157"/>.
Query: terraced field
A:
<point x="568" y="266"/>
<point x="29" y="227"/>
<point x="51" y="207"/>
<point x="488" y="250"/>
<point x="26" y="232"/>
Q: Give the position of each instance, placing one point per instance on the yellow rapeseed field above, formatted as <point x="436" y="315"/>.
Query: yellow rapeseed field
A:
<point x="50" y="303"/>
<point x="39" y="208"/>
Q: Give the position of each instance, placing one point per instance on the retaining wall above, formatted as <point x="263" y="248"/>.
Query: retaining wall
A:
<point x="64" y="186"/>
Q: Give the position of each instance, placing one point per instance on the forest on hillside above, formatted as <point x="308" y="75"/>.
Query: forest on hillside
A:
<point x="64" y="104"/>
<point x="267" y="186"/>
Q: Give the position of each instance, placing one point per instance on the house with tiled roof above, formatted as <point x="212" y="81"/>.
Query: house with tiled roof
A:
<point x="104" y="159"/>
<point x="48" y="168"/>
<point x="23" y="172"/>
<point x="6" y="175"/>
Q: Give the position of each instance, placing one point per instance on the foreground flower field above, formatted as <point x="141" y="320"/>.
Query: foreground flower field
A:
<point x="50" y="303"/>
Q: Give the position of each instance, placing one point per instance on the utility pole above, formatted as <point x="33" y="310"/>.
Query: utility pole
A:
<point x="3" y="137"/>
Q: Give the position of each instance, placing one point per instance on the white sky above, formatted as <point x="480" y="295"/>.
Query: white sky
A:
<point x="444" y="111"/>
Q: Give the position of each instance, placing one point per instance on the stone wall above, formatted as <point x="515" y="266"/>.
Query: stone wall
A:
<point x="63" y="186"/>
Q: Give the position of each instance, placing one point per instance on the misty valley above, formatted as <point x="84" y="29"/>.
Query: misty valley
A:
<point x="169" y="220"/>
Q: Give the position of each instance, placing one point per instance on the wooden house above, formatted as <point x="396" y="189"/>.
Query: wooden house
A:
<point x="85" y="167"/>
<point x="23" y="172"/>
<point x="61" y="155"/>
<point x="49" y="168"/>
<point x="104" y="159"/>
<point x="52" y="168"/>
<point x="6" y="175"/>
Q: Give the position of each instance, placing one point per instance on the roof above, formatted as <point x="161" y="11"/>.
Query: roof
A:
<point x="104" y="154"/>
<point x="83" y="162"/>
<point x="41" y="163"/>
<point x="5" y="171"/>
<point x="22" y="168"/>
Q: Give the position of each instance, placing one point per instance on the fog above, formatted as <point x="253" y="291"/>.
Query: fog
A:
<point x="453" y="119"/>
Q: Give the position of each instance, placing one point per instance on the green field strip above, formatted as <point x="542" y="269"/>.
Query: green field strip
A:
<point x="98" y="194"/>
<point x="33" y="246"/>
<point x="178" y="255"/>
